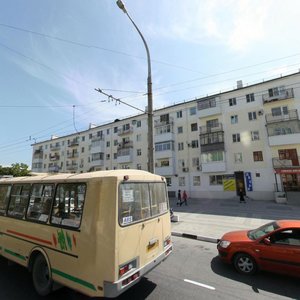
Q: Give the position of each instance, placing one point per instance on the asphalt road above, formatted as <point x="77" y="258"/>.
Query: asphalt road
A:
<point x="193" y="271"/>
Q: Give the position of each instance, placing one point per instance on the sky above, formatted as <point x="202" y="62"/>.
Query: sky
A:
<point x="55" y="53"/>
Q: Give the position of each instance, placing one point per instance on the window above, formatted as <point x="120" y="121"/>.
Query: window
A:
<point x="255" y="135"/>
<point x="164" y="163"/>
<point x="138" y="137"/>
<point x="68" y="204"/>
<point x="258" y="156"/>
<point x="139" y="201"/>
<point x="107" y="131"/>
<point x="179" y="114"/>
<point x="18" y="200"/>
<point x="169" y="181"/>
<point x="193" y="111"/>
<point x="108" y="144"/>
<point x="195" y="144"/>
<point x="196" y="181"/>
<point x="139" y="152"/>
<point x="40" y="202"/>
<point x="83" y="138"/>
<point x="181" y="181"/>
<point x="236" y="138"/>
<point x="278" y="111"/>
<point x="115" y="155"/>
<point x="194" y="127"/>
<point x="138" y="123"/>
<point x="212" y="123"/>
<point x="232" y="101"/>
<point x="250" y="98"/>
<point x="4" y="197"/>
<point x="180" y="129"/>
<point x="107" y="156"/>
<point x="115" y="129"/>
<point x="195" y="161"/>
<point x="216" y="180"/>
<point x="252" y="115"/>
<point x="206" y="103"/>
<point x="238" y="158"/>
<point x="212" y="156"/>
<point x="164" y="146"/>
<point x="234" y="119"/>
<point x="180" y="146"/>
<point x="115" y="142"/>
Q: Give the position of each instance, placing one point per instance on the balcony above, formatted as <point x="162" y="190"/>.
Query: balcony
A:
<point x="278" y="95"/>
<point x="125" y="155"/>
<point x="72" y="167"/>
<point x="72" y="155"/>
<point x="125" y="145"/>
<point x="282" y="117"/>
<point x="53" y="169"/>
<point x="97" y="146"/>
<point x="214" y="166"/>
<point x="165" y="170"/>
<point x="210" y="129"/>
<point x="96" y="138"/>
<point x="159" y="123"/>
<point x="73" y="143"/>
<point x="55" y="147"/>
<point x="97" y="162"/>
<point x="54" y="157"/>
<point x="208" y="107"/>
<point x="122" y="131"/>
<point x="292" y="163"/>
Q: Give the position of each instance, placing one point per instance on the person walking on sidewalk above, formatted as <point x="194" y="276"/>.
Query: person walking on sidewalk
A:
<point x="179" y="198"/>
<point x="242" y="199"/>
<point x="184" y="198"/>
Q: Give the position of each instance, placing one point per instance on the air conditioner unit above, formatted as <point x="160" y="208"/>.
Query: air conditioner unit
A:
<point x="199" y="168"/>
<point x="185" y="169"/>
<point x="260" y="112"/>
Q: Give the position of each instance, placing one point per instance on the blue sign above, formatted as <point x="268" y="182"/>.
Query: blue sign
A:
<point x="248" y="181"/>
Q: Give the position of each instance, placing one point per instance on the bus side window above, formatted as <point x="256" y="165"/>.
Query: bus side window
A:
<point x="69" y="200"/>
<point x="18" y="200"/>
<point x="40" y="202"/>
<point x="4" y="197"/>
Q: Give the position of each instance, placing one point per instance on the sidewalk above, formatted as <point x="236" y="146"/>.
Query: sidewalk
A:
<point x="209" y="219"/>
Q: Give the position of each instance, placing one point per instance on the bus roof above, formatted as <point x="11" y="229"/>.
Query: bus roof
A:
<point x="121" y="173"/>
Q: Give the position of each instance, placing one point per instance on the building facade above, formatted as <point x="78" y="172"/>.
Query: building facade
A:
<point x="212" y="147"/>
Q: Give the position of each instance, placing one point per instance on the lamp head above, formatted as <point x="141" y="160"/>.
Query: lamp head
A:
<point x="121" y="6"/>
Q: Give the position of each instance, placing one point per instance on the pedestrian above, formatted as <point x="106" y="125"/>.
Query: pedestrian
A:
<point x="184" y="198"/>
<point x="242" y="199"/>
<point x="179" y="198"/>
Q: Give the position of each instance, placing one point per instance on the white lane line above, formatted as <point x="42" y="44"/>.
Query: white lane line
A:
<point x="200" y="284"/>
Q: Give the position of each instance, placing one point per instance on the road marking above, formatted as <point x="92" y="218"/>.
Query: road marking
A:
<point x="200" y="284"/>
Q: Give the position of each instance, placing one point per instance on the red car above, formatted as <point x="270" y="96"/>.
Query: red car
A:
<point x="272" y="247"/>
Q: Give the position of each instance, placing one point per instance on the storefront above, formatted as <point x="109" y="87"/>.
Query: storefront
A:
<point x="289" y="179"/>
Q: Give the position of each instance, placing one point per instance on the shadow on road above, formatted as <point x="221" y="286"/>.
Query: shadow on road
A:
<point x="262" y="281"/>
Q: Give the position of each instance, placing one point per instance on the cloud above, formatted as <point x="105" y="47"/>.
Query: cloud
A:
<point x="234" y="24"/>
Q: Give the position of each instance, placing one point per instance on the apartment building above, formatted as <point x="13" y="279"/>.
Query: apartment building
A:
<point x="247" y="138"/>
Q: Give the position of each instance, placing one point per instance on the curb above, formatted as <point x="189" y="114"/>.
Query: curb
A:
<point x="195" y="237"/>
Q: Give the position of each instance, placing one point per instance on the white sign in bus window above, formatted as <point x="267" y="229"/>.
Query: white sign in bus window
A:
<point x="127" y="196"/>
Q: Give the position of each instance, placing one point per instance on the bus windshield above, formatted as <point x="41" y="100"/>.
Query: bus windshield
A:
<point x="140" y="201"/>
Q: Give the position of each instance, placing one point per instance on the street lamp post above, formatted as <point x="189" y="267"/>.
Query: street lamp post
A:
<point x="149" y="93"/>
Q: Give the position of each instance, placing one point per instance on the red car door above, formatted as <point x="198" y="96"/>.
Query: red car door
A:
<point x="280" y="253"/>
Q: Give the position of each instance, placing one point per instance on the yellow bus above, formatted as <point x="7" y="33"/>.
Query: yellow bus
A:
<point x="97" y="233"/>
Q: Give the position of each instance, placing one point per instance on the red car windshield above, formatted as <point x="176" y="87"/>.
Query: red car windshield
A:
<point x="263" y="230"/>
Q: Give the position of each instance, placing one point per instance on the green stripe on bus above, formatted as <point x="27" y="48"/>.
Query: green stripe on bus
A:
<point x="75" y="279"/>
<point x="15" y="254"/>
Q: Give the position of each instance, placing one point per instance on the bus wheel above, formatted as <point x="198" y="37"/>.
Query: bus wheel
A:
<point x="41" y="278"/>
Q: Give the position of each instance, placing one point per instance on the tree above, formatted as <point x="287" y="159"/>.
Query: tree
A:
<point x="16" y="170"/>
